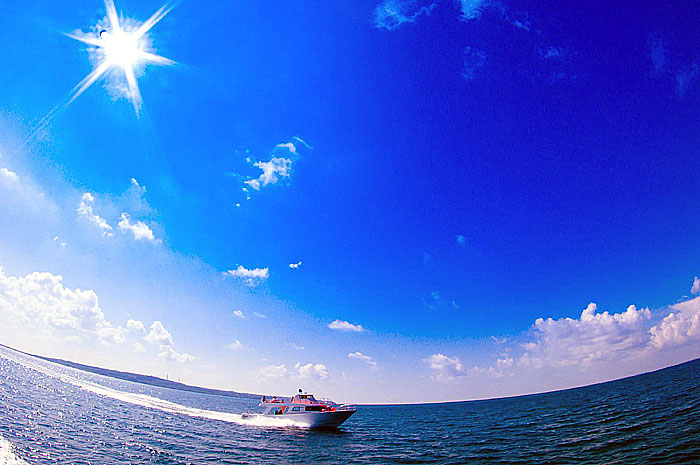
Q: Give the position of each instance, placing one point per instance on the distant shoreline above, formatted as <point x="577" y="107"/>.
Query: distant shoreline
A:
<point x="136" y="378"/>
<point x="165" y="383"/>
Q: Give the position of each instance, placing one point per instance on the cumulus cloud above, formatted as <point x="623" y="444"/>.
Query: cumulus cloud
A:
<point x="238" y="314"/>
<point x="251" y="277"/>
<point x="40" y="301"/>
<point x="272" y="371"/>
<point x="159" y="335"/>
<point x="135" y="325"/>
<point x="594" y="337"/>
<point x="445" y="368"/>
<point x="294" y="266"/>
<point x="140" y="230"/>
<point x="311" y="371"/>
<point x="365" y="358"/>
<point x="85" y="210"/>
<point x="679" y="327"/>
<point x="391" y="14"/>
<point x="340" y="325"/>
<point x="109" y="335"/>
<point x="695" y="289"/>
<point x="138" y="347"/>
<point x="168" y="353"/>
<point x="270" y="171"/>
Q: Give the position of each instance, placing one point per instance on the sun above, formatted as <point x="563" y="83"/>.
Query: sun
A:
<point x="122" y="46"/>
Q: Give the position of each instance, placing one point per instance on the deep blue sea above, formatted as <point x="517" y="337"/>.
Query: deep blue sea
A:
<point x="50" y="414"/>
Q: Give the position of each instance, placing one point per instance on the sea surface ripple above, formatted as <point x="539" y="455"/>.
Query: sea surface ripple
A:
<point x="51" y="414"/>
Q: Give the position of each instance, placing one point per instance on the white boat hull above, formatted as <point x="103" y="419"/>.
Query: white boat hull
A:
<point x="331" y="419"/>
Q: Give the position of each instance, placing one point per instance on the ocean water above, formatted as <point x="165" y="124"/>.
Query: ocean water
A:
<point x="51" y="414"/>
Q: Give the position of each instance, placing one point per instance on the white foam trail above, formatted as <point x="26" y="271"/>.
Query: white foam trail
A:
<point x="7" y="457"/>
<point x="144" y="400"/>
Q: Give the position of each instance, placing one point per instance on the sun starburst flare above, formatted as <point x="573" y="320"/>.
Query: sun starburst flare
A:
<point x="120" y="49"/>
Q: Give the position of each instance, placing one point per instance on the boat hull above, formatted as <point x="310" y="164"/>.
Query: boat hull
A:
<point x="331" y="419"/>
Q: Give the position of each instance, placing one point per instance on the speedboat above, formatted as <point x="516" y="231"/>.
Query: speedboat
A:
<point x="303" y="409"/>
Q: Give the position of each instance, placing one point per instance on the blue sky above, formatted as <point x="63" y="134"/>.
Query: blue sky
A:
<point x="454" y="183"/>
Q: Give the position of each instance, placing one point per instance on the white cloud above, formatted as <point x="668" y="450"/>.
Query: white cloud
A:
<point x="272" y="371"/>
<point x="595" y="337"/>
<point x="471" y="9"/>
<point x="695" y="289"/>
<point x="9" y="175"/>
<point x="259" y="315"/>
<point x="239" y="314"/>
<point x="235" y="345"/>
<point x="138" y="347"/>
<point x="297" y="347"/>
<point x="289" y="146"/>
<point x="40" y="302"/>
<point x="270" y="171"/>
<point x="679" y="327"/>
<point x="140" y="230"/>
<point x="109" y="335"/>
<point x="445" y="368"/>
<point x="365" y="358"/>
<point x="317" y="371"/>
<point x="85" y="209"/>
<point x="340" y="325"/>
<point x="391" y="14"/>
<point x="135" y="325"/>
<point x="311" y="371"/>
<point x="294" y="266"/>
<point x="251" y="277"/>
<point x="170" y="354"/>
<point x="159" y="335"/>
<point x="59" y="243"/>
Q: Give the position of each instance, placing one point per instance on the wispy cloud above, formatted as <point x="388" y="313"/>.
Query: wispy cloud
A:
<point x="461" y="240"/>
<point x="9" y="175"/>
<point x="658" y="54"/>
<point x="391" y="14"/>
<point x="471" y="9"/>
<point x="85" y="210"/>
<point x="474" y="59"/>
<point x="340" y="325"/>
<point x="365" y="358"/>
<point x="294" y="266"/>
<point x="238" y="314"/>
<point x="235" y="345"/>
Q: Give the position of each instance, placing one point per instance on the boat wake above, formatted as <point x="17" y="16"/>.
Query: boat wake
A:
<point x="7" y="456"/>
<point x="144" y="400"/>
